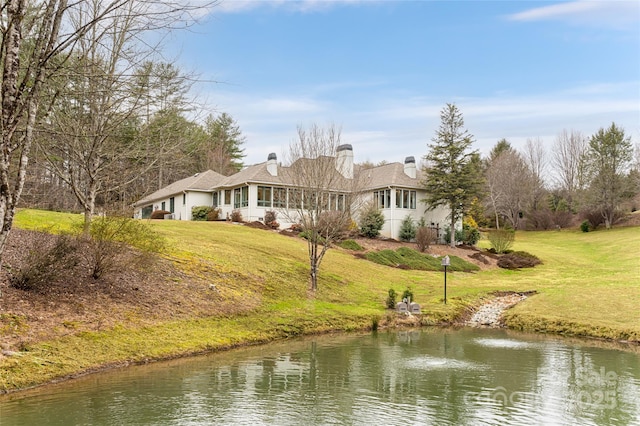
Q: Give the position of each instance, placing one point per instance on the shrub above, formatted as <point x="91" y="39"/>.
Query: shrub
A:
<point x="501" y="240"/>
<point x="236" y="216"/>
<point x="424" y="237"/>
<point x="333" y="224"/>
<point x="406" y="258"/>
<point x="46" y="263"/>
<point x="296" y="227"/>
<point x="213" y="214"/>
<point x="391" y="299"/>
<point x="351" y="245"/>
<point x="517" y="260"/>
<point x="159" y="214"/>
<point x="199" y="212"/>
<point x="470" y="234"/>
<point x="407" y="229"/>
<point x="371" y="222"/>
<point x="408" y="295"/>
<point x="109" y="242"/>
<point x="270" y="219"/>
<point x="585" y="226"/>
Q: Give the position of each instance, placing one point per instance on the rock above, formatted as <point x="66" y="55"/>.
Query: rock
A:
<point x="489" y="314"/>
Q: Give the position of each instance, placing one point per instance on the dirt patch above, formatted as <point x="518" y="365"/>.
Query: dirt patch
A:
<point x="77" y="302"/>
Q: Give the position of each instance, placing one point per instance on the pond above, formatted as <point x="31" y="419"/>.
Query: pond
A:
<point x="429" y="377"/>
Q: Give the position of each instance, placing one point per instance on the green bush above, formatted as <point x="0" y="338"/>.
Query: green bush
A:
<point x="470" y="234"/>
<point x="407" y="229"/>
<point x="408" y="294"/>
<point x="501" y="240"/>
<point x="199" y="212"/>
<point x="371" y="222"/>
<point x="391" y="299"/>
<point x="585" y="226"/>
<point x="351" y="245"/>
<point x="412" y="259"/>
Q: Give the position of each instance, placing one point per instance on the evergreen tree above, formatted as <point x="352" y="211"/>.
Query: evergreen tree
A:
<point x="453" y="172"/>
<point x="222" y="149"/>
<point x="609" y="157"/>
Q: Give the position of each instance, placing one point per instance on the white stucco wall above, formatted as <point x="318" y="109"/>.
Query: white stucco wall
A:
<point x="194" y="199"/>
<point x="394" y="216"/>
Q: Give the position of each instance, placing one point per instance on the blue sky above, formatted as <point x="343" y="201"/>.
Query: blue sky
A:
<point x="383" y="70"/>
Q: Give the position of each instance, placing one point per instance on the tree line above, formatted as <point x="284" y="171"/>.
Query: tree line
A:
<point x="92" y="116"/>
<point x="595" y="178"/>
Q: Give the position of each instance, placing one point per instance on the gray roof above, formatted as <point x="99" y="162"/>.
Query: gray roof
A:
<point x="256" y="173"/>
<point x="204" y="181"/>
<point x="391" y="174"/>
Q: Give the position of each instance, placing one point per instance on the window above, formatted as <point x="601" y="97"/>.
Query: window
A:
<point x="227" y="197"/>
<point x="264" y="196"/>
<point x="241" y="197"/>
<point x="172" y="205"/>
<point x="405" y="199"/>
<point x="341" y="203"/>
<point x="382" y="199"/>
<point x="162" y="206"/>
<point x="184" y="199"/>
<point x="333" y="203"/>
<point x="279" y="197"/>
<point x="295" y="198"/>
<point x="215" y="199"/>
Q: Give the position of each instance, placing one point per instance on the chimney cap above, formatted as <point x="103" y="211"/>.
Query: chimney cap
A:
<point x="272" y="156"/>
<point x="344" y="147"/>
<point x="410" y="159"/>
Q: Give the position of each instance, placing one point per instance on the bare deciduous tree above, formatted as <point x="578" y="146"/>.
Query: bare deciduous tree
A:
<point x="34" y="47"/>
<point x="510" y="185"/>
<point x="98" y="95"/>
<point x="568" y="160"/>
<point x="535" y="155"/>
<point x="325" y="190"/>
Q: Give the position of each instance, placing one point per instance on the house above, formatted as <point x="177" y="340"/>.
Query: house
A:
<point x="394" y="187"/>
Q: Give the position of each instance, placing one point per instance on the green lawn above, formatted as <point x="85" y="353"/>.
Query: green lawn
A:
<point x="589" y="284"/>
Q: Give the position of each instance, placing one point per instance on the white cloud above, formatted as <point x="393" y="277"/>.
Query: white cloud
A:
<point x="621" y="14"/>
<point x="393" y="127"/>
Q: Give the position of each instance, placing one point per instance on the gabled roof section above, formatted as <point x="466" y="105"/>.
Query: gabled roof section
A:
<point x="204" y="181"/>
<point x="391" y="174"/>
<point x="256" y="173"/>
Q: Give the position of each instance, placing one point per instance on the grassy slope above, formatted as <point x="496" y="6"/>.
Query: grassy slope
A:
<point x="588" y="285"/>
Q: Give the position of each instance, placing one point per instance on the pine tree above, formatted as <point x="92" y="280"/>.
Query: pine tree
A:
<point x="453" y="172"/>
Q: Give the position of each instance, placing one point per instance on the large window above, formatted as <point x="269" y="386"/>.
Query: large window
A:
<point x="280" y="197"/>
<point x="264" y="196"/>
<point x="405" y="199"/>
<point x="227" y="197"/>
<point x="172" y="205"/>
<point x="215" y="199"/>
<point x="382" y="199"/>
<point x="295" y="198"/>
<point x="336" y="201"/>
<point x="241" y="197"/>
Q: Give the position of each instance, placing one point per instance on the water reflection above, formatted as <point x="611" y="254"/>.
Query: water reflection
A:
<point x="430" y="376"/>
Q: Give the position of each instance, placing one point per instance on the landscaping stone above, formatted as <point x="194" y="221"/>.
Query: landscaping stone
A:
<point x="490" y="314"/>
